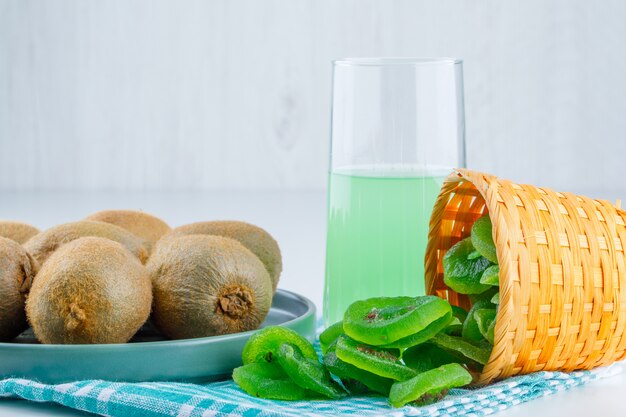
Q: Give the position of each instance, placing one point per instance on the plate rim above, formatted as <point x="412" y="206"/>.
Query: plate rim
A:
<point x="311" y="309"/>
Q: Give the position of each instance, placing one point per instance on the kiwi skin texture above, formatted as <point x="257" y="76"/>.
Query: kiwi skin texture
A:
<point x="17" y="270"/>
<point x="146" y="226"/>
<point x="207" y="285"/>
<point x="17" y="231"/>
<point x="91" y="290"/>
<point x="44" y="244"/>
<point x="257" y="240"/>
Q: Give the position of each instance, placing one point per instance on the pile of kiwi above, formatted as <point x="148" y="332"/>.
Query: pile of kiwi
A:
<point x="99" y="280"/>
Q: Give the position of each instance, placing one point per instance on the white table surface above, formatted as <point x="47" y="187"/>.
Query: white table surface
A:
<point x="297" y="221"/>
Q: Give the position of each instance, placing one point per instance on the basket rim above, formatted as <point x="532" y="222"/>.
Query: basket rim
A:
<point x="485" y="184"/>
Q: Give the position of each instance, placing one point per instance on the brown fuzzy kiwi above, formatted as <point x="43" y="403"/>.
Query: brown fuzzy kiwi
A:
<point x="144" y="225"/>
<point x="41" y="246"/>
<point x="91" y="290"/>
<point x="257" y="240"/>
<point x="207" y="285"/>
<point x="17" y="231"/>
<point x="17" y="270"/>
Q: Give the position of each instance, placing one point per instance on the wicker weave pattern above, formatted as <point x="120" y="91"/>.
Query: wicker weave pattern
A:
<point x="562" y="272"/>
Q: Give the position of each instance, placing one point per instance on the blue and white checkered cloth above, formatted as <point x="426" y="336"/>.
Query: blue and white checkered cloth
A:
<point x="219" y="399"/>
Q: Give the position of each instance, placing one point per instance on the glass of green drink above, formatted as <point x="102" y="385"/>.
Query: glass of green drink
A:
<point x="397" y="131"/>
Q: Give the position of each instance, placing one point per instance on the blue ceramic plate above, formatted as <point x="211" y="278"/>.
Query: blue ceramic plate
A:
<point x="148" y="357"/>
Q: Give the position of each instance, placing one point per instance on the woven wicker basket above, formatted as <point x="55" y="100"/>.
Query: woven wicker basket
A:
<point x="562" y="272"/>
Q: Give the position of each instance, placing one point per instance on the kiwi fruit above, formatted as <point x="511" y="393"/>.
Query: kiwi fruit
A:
<point x="17" y="270"/>
<point x="146" y="226"/>
<point x="207" y="285"/>
<point x="17" y="231"/>
<point x="257" y="240"/>
<point x="91" y="290"/>
<point x="41" y="246"/>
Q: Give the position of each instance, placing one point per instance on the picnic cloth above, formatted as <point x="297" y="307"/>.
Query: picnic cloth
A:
<point x="224" y="398"/>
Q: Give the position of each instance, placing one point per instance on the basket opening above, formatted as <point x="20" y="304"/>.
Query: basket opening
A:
<point x="458" y="206"/>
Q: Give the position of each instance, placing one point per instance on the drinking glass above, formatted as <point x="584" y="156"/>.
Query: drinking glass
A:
<point x="397" y="131"/>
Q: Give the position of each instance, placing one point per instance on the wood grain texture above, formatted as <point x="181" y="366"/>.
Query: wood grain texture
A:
<point x="236" y="93"/>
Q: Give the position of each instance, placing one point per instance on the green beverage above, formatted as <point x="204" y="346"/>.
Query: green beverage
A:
<point x="377" y="234"/>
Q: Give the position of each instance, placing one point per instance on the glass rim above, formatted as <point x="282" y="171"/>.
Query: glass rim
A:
<point x="384" y="61"/>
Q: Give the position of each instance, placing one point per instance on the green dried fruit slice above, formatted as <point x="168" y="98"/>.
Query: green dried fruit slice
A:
<point x="427" y="356"/>
<point x="471" y="331"/>
<point x="462" y="274"/>
<point x="349" y="373"/>
<point x="306" y="372"/>
<point x="379" y="361"/>
<point x="264" y="344"/>
<point x="455" y="327"/>
<point x="459" y="312"/>
<point x="496" y="298"/>
<point x="423" y="335"/>
<point x="482" y="238"/>
<point x="485" y="318"/>
<point x="491" y="276"/>
<point x="463" y="347"/>
<point x="383" y="320"/>
<point x="330" y="335"/>
<point x="491" y="332"/>
<point x="429" y="386"/>
<point x="267" y="380"/>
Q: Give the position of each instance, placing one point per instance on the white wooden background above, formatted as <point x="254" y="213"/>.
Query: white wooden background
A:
<point x="235" y="93"/>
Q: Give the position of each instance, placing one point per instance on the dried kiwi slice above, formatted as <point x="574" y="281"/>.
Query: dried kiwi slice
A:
<point x="461" y="273"/>
<point x="429" y="386"/>
<point x="455" y="326"/>
<point x="459" y="312"/>
<point x="383" y="320"/>
<point x="486" y="318"/>
<point x="458" y="345"/>
<point x="349" y="373"/>
<point x="471" y="331"/>
<point x="427" y="356"/>
<point x="491" y="276"/>
<point x="306" y="372"/>
<point x="331" y="334"/>
<point x="264" y="344"/>
<point x="267" y="380"/>
<point x="496" y="298"/>
<point x="423" y="335"/>
<point x="379" y="361"/>
<point x="482" y="238"/>
<point x="491" y="330"/>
